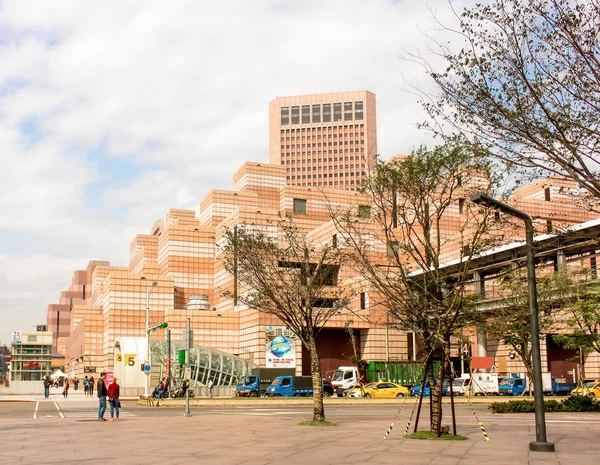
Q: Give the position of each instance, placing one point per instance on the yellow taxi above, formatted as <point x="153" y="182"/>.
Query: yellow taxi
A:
<point x="591" y="389"/>
<point x="380" y="390"/>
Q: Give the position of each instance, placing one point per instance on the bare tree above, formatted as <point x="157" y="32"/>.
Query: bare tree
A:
<point x="525" y="87"/>
<point x="287" y="275"/>
<point x="420" y="214"/>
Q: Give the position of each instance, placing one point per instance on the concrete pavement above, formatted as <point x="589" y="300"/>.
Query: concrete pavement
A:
<point x="240" y="436"/>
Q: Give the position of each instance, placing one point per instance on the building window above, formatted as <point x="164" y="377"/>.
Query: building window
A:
<point x="363" y="300"/>
<point x="364" y="211"/>
<point x="299" y="205"/>
<point x="461" y="206"/>
<point x="547" y="194"/>
<point x="334" y="242"/>
<point x="548" y="226"/>
<point x="393" y="248"/>
<point x="285" y="115"/>
<point x="327" y="113"/>
<point x="305" y="114"/>
<point x="358" y="110"/>
<point x="295" y="115"/>
<point x="316" y="114"/>
<point x="337" y="112"/>
<point x="347" y="111"/>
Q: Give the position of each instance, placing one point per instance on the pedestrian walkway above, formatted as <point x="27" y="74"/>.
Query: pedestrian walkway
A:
<point x="55" y="395"/>
<point x="209" y="438"/>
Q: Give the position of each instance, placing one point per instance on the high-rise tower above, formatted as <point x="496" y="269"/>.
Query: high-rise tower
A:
<point x="327" y="140"/>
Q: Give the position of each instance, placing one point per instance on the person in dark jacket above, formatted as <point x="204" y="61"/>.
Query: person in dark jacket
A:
<point x="113" y="398"/>
<point x="91" y="385"/>
<point x="102" y="393"/>
<point x="47" y="384"/>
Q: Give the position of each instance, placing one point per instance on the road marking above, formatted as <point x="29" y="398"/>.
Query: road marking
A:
<point x="58" y="408"/>
<point x="36" y="410"/>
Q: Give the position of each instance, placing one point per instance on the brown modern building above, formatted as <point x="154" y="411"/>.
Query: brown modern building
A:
<point x="327" y="140"/>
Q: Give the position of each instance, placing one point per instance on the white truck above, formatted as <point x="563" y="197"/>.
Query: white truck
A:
<point x="546" y="382"/>
<point x="344" y="378"/>
<point x="480" y="384"/>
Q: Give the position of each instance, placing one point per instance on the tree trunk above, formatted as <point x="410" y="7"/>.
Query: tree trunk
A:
<point x="436" y="399"/>
<point x="581" y="367"/>
<point x="315" y="368"/>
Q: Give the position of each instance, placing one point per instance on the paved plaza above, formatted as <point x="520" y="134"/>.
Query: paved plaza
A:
<point x="270" y="434"/>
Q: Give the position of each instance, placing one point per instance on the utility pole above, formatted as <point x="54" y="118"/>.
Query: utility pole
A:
<point x="187" y="367"/>
<point x="541" y="444"/>
<point x="168" y="360"/>
<point x="147" y="361"/>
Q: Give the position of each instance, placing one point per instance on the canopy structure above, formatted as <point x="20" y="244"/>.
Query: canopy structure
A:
<point x="58" y="374"/>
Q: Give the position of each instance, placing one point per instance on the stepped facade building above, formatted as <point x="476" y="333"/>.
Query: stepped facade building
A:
<point x="181" y="254"/>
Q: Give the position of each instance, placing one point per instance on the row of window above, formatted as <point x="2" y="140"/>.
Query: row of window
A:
<point x="326" y="167"/>
<point x="330" y="175"/>
<point x="345" y="127"/>
<point x="324" y="160"/>
<point x="318" y="137"/>
<point x="325" y="144"/>
<point x="326" y="113"/>
<point x="364" y="211"/>
<point x="338" y="183"/>
<point x="321" y="152"/>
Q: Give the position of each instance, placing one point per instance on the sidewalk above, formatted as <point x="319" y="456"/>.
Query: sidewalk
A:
<point x="55" y="395"/>
<point x="255" y="438"/>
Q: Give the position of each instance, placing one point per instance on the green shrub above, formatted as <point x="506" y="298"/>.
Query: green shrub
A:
<point x="581" y="404"/>
<point x="572" y="404"/>
<point x="513" y="406"/>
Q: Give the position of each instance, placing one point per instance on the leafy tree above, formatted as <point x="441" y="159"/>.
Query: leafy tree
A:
<point x="420" y="212"/>
<point x="525" y="88"/>
<point x="286" y="275"/>
<point x="583" y="321"/>
<point x="509" y="321"/>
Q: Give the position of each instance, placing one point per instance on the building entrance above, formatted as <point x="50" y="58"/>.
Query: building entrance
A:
<point x="558" y="363"/>
<point x="334" y="348"/>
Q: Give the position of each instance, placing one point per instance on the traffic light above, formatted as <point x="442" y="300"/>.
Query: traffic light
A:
<point x="163" y="325"/>
<point x="181" y="356"/>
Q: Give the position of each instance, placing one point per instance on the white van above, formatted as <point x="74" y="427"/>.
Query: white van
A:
<point x="481" y="384"/>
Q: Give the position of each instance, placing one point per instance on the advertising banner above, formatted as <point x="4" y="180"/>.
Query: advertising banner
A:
<point x="281" y="347"/>
<point x="16" y="337"/>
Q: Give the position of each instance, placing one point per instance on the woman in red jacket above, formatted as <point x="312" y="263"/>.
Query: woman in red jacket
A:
<point x="113" y="399"/>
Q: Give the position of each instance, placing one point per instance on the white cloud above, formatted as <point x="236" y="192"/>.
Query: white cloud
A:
<point x="182" y="89"/>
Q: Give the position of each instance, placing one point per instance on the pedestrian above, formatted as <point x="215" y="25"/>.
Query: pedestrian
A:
<point x="75" y="383"/>
<point x="86" y="387"/>
<point x="91" y="386"/>
<point x="210" y="387"/>
<point x="113" y="398"/>
<point x="66" y="388"/>
<point x="47" y="384"/>
<point x="102" y="393"/>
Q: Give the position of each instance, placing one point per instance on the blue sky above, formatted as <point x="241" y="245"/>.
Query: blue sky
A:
<point x="113" y="112"/>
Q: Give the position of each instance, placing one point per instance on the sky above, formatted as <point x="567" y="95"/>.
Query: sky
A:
<point x="112" y="112"/>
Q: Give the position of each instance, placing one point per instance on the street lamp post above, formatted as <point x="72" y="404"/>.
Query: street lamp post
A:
<point x="540" y="444"/>
<point x="147" y="361"/>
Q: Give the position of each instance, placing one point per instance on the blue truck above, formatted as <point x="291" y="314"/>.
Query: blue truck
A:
<point x="416" y="390"/>
<point x="290" y="386"/>
<point x="256" y="383"/>
<point x="515" y="386"/>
